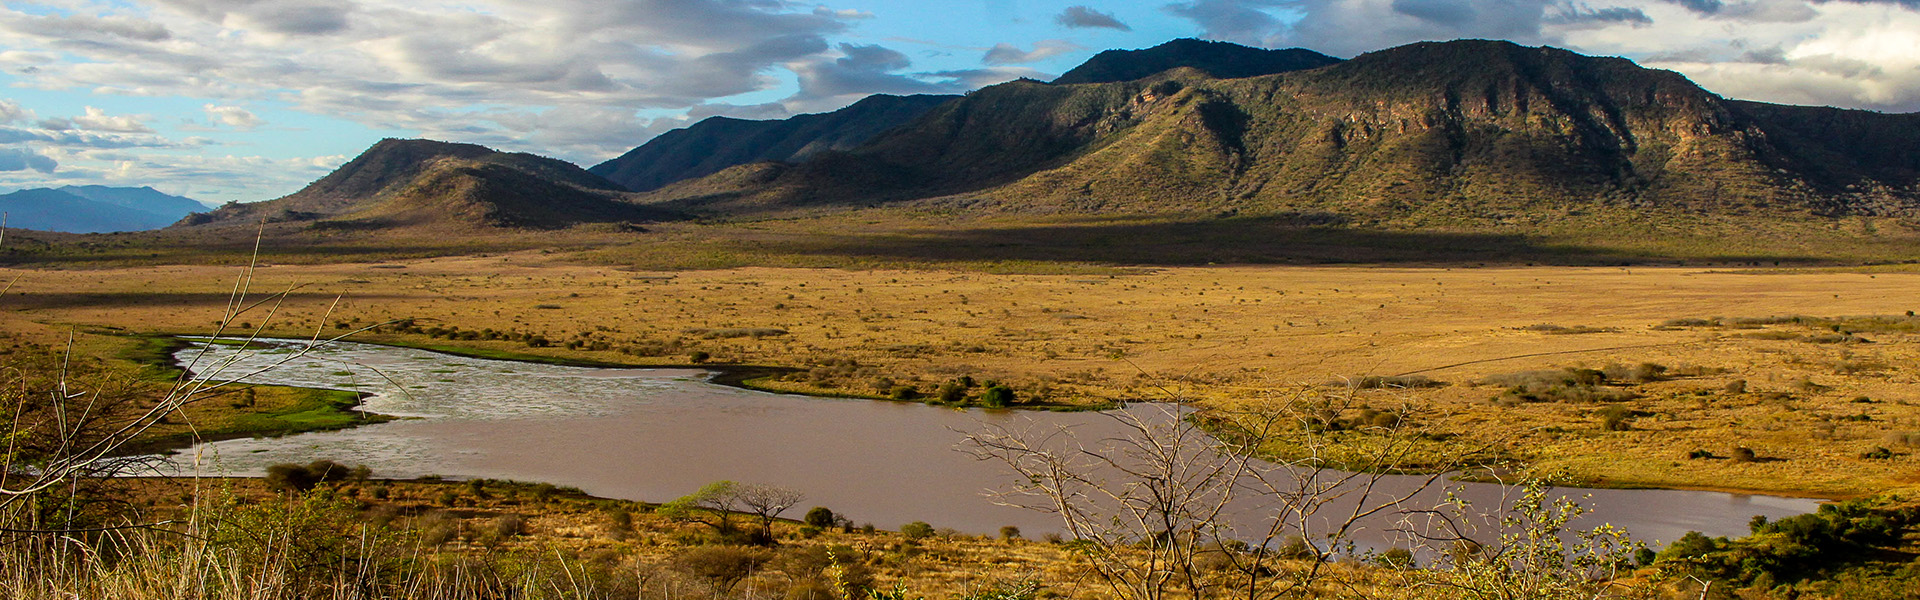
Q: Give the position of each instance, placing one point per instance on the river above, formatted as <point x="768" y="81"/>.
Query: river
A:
<point x="656" y="434"/>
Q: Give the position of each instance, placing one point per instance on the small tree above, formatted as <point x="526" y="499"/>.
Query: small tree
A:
<point x="820" y="517"/>
<point x="709" y="506"/>
<point x="767" y="502"/>
<point x="916" y="530"/>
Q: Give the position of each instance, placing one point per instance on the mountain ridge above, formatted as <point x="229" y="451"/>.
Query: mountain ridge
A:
<point x="717" y="143"/>
<point x="1219" y="60"/>
<point x="424" y="183"/>
<point x="1434" y="133"/>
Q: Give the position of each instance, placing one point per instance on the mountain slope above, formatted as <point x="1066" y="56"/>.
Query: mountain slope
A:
<point x="720" y="142"/>
<point x="422" y="183"/>
<point x="1430" y="134"/>
<point x="1219" y="60"/>
<point x="94" y="209"/>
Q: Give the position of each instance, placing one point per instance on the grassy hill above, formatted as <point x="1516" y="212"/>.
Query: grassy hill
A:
<point x="422" y="183"/>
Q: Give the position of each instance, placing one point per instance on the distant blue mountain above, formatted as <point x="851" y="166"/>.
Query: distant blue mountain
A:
<point x="94" y="209"/>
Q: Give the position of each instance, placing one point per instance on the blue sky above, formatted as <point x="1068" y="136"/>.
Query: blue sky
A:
<point x="244" y="100"/>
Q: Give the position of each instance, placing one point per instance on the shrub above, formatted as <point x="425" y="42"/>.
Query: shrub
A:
<point x="903" y="392"/>
<point x="998" y="396"/>
<point x="820" y="517"/>
<point x="1737" y="386"/>
<point x="1562" y="385"/>
<point x="1614" y="418"/>
<point x="953" y="392"/>
<point x="1878" y="453"/>
<point x="1009" y="532"/>
<point x="299" y="478"/>
<point x="721" y="566"/>
<point x="699" y="356"/>
<point x="1640" y="373"/>
<point x="916" y="530"/>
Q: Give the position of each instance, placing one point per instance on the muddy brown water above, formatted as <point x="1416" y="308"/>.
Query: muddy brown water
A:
<point x="656" y="434"/>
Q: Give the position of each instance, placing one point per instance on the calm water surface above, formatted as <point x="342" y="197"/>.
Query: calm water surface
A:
<point x="657" y="434"/>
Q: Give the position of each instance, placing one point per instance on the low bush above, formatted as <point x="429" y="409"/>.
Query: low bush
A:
<point x="299" y="478"/>
<point x="916" y="530"/>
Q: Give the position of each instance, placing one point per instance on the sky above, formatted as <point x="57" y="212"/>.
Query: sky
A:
<point x="247" y="100"/>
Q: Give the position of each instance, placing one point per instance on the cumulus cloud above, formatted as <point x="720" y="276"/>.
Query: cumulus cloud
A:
<point x="232" y="116"/>
<point x="20" y="159"/>
<point x="448" y="70"/>
<point x="858" y="71"/>
<point x="1085" y="17"/>
<point x="98" y="120"/>
<point x="1009" y="54"/>
<point x="11" y="112"/>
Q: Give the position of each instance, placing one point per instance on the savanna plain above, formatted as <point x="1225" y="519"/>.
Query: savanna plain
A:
<point x="1789" y="381"/>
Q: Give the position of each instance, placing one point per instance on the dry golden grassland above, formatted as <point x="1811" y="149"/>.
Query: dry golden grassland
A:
<point x="492" y="517"/>
<point x="1818" y="394"/>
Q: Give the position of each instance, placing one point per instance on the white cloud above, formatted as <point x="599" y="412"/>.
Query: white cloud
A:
<point x="1858" y="54"/>
<point x="11" y="112"/>
<point x="1009" y="54"/>
<point x="232" y="116"/>
<point x="445" y="68"/>
<point x="98" y="120"/>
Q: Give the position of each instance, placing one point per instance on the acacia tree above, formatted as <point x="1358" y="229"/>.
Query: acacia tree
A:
<point x="767" y="502"/>
<point x="711" y="505"/>
<point x="1156" y="505"/>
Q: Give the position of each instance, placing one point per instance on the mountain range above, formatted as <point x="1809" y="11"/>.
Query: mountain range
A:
<point x="1426" y="134"/>
<point x="1467" y="134"/>
<point x="94" y="209"/>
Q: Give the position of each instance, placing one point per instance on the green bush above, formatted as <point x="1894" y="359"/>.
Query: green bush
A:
<point x="998" y="396"/>
<point x="820" y="517"/>
<point x="916" y="530"/>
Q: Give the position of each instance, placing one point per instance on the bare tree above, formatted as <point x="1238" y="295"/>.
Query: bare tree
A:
<point x="767" y="502"/>
<point x="1189" y="503"/>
